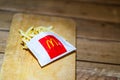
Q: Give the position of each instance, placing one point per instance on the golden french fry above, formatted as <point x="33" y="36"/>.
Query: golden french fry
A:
<point x="31" y="32"/>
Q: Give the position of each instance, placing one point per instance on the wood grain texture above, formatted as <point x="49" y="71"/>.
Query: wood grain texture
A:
<point x="1" y="59"/>
<point x="96" y="69"/>
<point x="24" y="64"/>
<point x="98" y="51"/>
<point x="3" y="38"/>
<point x="5" y="20"/>
<point x="97" y="25"/>
<point x="73" y="9"/>
<point x="98" y="30"/>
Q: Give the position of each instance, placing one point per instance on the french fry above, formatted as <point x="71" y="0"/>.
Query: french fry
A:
<point x="31" y="32"/>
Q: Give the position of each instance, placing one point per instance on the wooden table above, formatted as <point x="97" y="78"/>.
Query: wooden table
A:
<point x="98" y="32"/>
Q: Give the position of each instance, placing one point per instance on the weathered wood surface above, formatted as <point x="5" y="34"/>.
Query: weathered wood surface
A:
<point x="85" y="34"/>
<point x="74" y="9"/>
<point x="98" y="29"/>
<point x="94" y="71"/>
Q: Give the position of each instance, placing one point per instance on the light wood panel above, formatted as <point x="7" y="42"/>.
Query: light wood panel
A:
<point x="73" y="9"/>
<point x="24" y="65"/>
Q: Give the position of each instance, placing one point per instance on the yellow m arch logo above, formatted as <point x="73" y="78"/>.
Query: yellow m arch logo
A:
<point x="51" y="43"/>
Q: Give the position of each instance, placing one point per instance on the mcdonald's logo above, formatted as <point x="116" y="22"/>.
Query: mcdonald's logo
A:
<point x="51" y="43"/>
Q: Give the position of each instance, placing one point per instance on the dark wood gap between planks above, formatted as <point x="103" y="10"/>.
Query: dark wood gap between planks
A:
<point x="99" y="40"/>
<point x="4" y="30"/>
<point x="101" y="2"/>
<point x="1" y="52"/>
<point x="98" y="62"/>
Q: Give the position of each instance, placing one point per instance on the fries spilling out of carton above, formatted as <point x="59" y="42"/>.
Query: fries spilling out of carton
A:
<point x="46" y="45"/>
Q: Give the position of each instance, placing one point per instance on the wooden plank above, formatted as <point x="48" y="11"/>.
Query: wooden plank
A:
<point x="98" y="41"/>
<point x="5" y="20"/>
<point x="1" y="59"/>
<point x="73" y="9"/>
<point x="98" y="51"/>
<point x="24" y="65"/>
<point x="3" y="38"/>
<point x="97" y="70"/>
<point x="98" y="30"/>
<point x="109" y="2"/>
<point x="86" y="76"/>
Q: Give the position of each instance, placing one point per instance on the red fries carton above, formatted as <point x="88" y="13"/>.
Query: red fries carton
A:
<point x="48" y="46"/>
